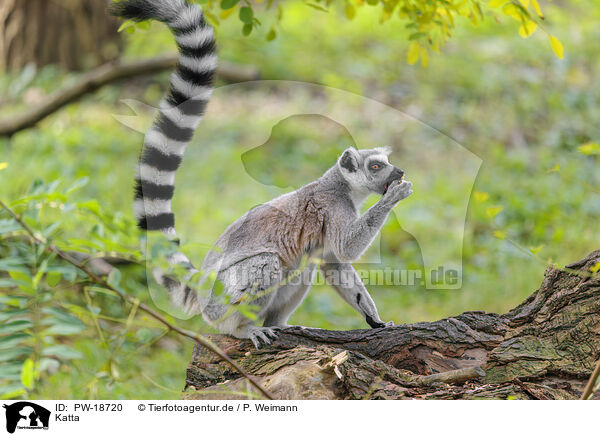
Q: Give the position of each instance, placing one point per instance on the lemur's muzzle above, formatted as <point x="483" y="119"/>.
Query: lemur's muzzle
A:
<point x="396" y="175"/>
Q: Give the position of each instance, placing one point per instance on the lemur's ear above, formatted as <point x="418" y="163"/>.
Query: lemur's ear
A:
<point x="386" y="149"/>
<point x="349" y="160"/>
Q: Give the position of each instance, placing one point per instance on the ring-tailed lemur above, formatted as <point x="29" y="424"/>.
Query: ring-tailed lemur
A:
<point x="259" y="258"/>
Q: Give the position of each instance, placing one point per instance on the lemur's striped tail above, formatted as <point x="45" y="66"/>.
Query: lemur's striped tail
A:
<point x="181" y="111"/>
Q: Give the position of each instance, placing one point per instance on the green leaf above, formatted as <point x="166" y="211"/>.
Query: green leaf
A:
<point x="61" y="315"/>
<point x="80" y="243"/>
<point x="15" y="326"/>
<point x="496" y="3"/>
<point x="144" y="334"/>
<point x="9" y="226"/>
<point x="416" y="35"/>
<point x="228" y="4"/>
<point x="480" y="196"/>
<point x="554" y="169"/>
<point x="414" y="50"/>
<point x="125" y="25"/>
<point x="271" y="35"/>
<point x="62" y="323"/>
<point x="12" y="390"/>
<point x="48" y="231"/>
<point x="40" y="273"/>
<point x="20" y="276"/>
<point x="248" y="310"/>
<point x="527" y="28"/>
<point x="91" y="206"/>
<point x="246" y="15"/>
<point x="7" y="283"/>
<point x="350" y="11"/>
<point x="11" y="371"/>
<point x="62" y="352"/>
<point x="7" y="314"/>
<point x="53" y="278"/>
<point x="13" y="353"/>
<point x="143" y="25"/>
<point x="14" y="300"/>
<point x="28" y="373"/>
<point x="317" y="6"/>
<point x="536" y="249"/>
<point x="64" y="329"/>
<point x="212" y="18"/>
<point x="226" y="13"/>
<point x="81" y="181"/>
<point x="48" y="364"/>
<point x="114" y="278"/>
<point x="247" y="29"/>
<point x="512" y="11"/>
<point x="589" y="148"/>
<point x="492" y="211"/>
<point x="13" y="340"/>
<point x="499" y="234"/>
<point x="12" y="264"/>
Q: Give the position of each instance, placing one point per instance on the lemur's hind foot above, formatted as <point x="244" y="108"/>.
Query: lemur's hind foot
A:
<point x="266" y="335"/>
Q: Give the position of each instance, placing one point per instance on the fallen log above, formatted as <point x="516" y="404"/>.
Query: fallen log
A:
<point x="545" y="348"/>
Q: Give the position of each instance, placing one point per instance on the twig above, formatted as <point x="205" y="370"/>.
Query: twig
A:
<point x="589" y="388"/>
<point x="106" y="74"/>
<point x="141" y="306"/>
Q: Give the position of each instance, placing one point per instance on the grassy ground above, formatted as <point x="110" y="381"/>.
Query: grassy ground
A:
<point x="492" y="105"/>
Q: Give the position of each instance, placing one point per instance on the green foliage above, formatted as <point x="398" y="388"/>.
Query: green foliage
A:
<point x="45" y="302"/>
<point x="36" y="323"/>
<point x="430" y="24"/>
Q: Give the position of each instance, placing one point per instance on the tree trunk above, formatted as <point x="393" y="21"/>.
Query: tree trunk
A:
<point x="545" y="348"/>
<point x="74" y="34"/>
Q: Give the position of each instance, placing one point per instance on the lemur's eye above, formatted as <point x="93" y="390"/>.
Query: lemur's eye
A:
<point x="375" y="166"/>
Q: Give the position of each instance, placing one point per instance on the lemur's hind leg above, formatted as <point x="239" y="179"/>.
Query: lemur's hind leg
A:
<point x="289" y="297"/>
<point x="252" y="281"/>
<point x="345" y="280"/>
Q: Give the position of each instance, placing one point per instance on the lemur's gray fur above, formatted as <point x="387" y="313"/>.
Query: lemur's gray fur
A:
<point x="320" y="221"/>
<point x="260" y="259"/>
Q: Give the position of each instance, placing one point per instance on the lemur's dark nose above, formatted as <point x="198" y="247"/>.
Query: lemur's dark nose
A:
<point x="398" y="173"/>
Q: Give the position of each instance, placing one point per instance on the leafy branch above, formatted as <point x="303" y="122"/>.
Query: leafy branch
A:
<point x="429" y="24"/>
<point x="40" y="241"/>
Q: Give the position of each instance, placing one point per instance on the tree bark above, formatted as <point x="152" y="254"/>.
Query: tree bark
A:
<point x="74" y="34"/>
<point x="545" y="348"/>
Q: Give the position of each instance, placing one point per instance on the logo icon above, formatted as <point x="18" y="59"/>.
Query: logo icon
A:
<point x="26" y="415"/>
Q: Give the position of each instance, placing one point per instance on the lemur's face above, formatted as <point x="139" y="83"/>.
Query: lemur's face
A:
<point x="369" y="170"/>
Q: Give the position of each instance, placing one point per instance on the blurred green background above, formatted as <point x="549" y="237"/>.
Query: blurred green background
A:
<point x="531" y="118"/>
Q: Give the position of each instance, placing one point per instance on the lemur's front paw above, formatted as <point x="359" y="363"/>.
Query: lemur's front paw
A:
<point x="398" y="191"/>
<point x="379" y="324"/>
<point x="382" y="325"/>
<point x="266" y="335"/>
